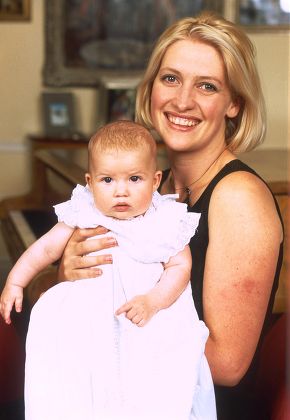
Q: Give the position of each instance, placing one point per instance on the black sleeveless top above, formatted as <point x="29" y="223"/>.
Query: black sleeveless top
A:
<point x="233" y="403"/>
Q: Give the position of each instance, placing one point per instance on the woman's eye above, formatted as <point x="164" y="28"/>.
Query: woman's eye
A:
<point x="169" y="78"/>
<point x="107" y="179"/>
<point x="135" y="178"/>
<point x="208" y="87"/>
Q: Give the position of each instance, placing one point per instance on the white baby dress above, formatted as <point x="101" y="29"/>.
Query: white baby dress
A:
<point x="84" y="363"/>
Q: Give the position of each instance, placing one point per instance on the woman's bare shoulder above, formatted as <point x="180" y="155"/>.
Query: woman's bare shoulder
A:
<point x="243" y="185"/>
<point x="242" y="194"/>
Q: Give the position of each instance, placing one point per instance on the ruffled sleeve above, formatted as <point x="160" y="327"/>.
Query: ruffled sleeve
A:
<point x="80" y="210"/>
<point x="161" y="233"/>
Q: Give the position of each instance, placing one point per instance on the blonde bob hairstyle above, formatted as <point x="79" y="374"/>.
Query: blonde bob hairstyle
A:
<point x="247" y="129"/>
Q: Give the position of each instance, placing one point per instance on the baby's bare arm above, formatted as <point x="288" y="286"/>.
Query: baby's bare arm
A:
<point x="172" y="283"/>
<point x="174" y="279"/>
<point x="39" y="255"/>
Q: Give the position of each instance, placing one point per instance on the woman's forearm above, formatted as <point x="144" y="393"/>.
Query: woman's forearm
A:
<point x="227" y="368"/>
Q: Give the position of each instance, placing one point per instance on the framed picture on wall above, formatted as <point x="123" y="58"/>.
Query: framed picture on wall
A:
<point x="14" y="10"/>
<point x="58" y="114"/>
<point x="263" y="14"/>
<point x="87" y="39"/>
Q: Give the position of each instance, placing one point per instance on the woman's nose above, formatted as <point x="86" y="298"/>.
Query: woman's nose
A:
<point x="184" y="98"/>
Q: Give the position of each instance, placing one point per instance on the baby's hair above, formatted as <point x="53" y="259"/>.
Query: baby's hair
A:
<point x="122" y="135"/>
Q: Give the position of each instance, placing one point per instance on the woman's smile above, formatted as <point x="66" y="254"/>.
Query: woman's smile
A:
<point x="182" y="121"/>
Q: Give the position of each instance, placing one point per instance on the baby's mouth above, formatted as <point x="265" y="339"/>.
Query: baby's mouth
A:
<point x="121" y="207"/>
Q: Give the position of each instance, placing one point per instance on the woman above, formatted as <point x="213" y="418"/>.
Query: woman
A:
<point x="201" y="93"/>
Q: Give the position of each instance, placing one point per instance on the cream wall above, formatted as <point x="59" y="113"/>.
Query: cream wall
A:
<point x="21" y="62"/>
<point x="273" y="61"/>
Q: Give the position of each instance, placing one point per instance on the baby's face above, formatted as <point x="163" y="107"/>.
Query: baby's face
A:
<point x="122" y="182"/>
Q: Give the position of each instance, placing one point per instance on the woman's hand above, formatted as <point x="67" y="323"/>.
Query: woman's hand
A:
<point x="75" y="264"/>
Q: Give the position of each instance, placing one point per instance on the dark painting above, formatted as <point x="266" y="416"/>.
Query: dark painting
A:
<point x="89" y="38"/>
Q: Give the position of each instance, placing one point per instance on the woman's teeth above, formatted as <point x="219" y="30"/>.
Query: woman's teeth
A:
<point x="182" y="121"/>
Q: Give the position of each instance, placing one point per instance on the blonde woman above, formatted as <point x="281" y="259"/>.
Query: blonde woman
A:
<point x="201" y="93"/>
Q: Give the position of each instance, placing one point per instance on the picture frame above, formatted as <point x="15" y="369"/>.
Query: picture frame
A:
<point x="15" y="10"/>
<point x="263" y="15"/>
<point x="117" y="98"/>
<point x="81" y="44"/>
<point x="58" y="114"/>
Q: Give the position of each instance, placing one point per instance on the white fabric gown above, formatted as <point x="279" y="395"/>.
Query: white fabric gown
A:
<point x="84" y="363"/>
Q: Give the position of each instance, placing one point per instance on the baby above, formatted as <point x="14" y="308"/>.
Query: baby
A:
<point x="86" y="356"/>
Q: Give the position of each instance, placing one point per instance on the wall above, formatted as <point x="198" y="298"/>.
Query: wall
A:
<point x="21" y="52"/>
<point x="21" y="62"/>
<point x="273" y="59"/>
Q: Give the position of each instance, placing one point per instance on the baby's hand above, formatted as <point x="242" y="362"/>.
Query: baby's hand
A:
<point x="139" y="310"/>
<point x="11" y="295"/>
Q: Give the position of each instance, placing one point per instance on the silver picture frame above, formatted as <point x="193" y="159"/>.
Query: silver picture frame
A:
<point x="58" y="114"/>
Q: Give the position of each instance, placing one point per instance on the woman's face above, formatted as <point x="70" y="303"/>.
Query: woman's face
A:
<point x="190" y="97"/>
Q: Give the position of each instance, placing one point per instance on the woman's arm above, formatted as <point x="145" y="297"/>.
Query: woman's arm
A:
<point x="39" y="255"/>
<point x="172" y="283"/>
<point x="75" y="263"/>
<point x="244" y="238"/>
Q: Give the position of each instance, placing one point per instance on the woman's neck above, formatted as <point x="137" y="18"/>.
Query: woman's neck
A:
<point x="191" y="173"/>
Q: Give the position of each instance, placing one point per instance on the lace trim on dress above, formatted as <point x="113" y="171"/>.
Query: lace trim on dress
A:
<point x="160" y="233"/>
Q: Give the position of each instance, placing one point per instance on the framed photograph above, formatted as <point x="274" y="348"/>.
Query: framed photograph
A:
<point x="89" y="39"/>
<point x="121" y="104"/>
<point x="14" y="10"/>
<point x="263" y="14"/>
<point x="58" y="114"/>
<point x="117" y="99"/>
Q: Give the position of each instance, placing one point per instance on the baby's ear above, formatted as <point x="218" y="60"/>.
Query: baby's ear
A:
<point x="157" y="180"/>
<point x="88" y="179"/>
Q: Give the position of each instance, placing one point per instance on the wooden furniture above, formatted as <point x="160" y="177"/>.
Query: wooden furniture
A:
<point x="270" y="164"/>
<point x="37" y="196"/>
<point x="17" y="232"/>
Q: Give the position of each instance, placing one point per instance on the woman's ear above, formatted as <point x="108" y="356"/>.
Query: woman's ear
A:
<point x="156" y="180"/>
<point x="234" y="108"/>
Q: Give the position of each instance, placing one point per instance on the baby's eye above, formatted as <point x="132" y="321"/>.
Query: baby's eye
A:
<point x="135" y="178"/>
<point x="107" y="179"/>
